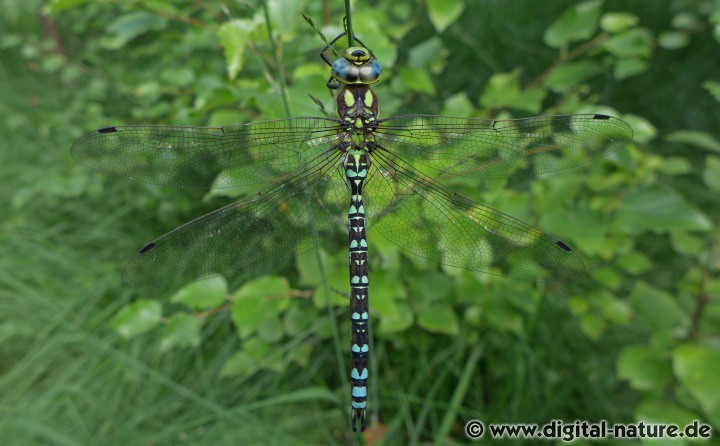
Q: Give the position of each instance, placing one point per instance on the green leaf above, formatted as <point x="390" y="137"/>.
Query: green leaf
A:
<point x="439" y="319"/>
<point x="387" y="252"/>
<point x="234" y="37"/>
<point x="266" y="287"/>
<point x="386" y="289"/>
<point x="658" y="309"/>
<point x="136" y="318"/>
<point x="713" y="87"/>
<point x="428" y="54"/>
<point x="417" y="80"/>
<point x="695" y="138"/>
<point x="675" y="165"/>
<point x="307" y="264"/>
<point x="607" y="276"/>
<point x="673" y="40"/>
<point x="297" y="318"/>
<point x="665" y="412"/>
<point x="258" y="301"/>
<point x="529" y="100"/>
<point x="458" y="105"/>
<point x="643" y="130"/>
<point x="579" y="305"/>
<point x="635" y="262"/>
<point x="400" y="321"/>
<point x="617" y="311"/>
<point x="687" y="244"/>
<point x="571" y="74"/>
<point x="615" y="22"/>
<point x="578" y="22"/>
<point x="378" y="35"/>
<point x="56" y="6"/>
<point x="444" y="12"/>
<point x="503" y="90"/>
<point x="339" y="280"/>
<point x="131" y="25"/>
<point x="503" y="317"/>
<point x="255" y="354"/>
<point x="162" y="6"/>
<point x="644" y="368"/>
<point x="593" y="325"/>
<point x="271" y="330"/>
<point x="203" y="294"/>
<point x="711" y="174"/>
<point x="499" y="87"/>
<point x="183" y="330"/>
<point x="473" y="315"/>
<point x="685" y="21"/>
<point x="300" y="355"/>
<point x="696" y="367"/>
<point x="183" y="77"/>
<point x="636" y="42"/>
<point x="239" y="363"/>
<point x="433" y="286"/>
<point x="257" y="348"/>
<point x="284" y="16"/>
<point x="659" y="210"/>
<point x="625" y="68"/>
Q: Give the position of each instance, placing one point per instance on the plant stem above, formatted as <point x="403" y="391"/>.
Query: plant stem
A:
<point x="348" y="24"/>
<point x="276" y="55"/>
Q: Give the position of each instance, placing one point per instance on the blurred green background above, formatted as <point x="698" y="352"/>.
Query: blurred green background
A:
<point x="85" y="361"/>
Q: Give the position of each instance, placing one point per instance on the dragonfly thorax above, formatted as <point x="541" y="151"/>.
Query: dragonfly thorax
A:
<point x="358" y="109"/>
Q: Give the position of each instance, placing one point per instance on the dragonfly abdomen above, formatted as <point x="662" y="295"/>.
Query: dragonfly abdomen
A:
<point x="356" y="168"/>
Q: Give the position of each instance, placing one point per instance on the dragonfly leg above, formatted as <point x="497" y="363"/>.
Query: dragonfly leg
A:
<point x="333" y="84"/>
<point x="322" y="53"/>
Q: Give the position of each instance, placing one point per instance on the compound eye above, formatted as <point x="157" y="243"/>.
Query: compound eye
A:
<point x="370" y="72"/>
<point x="351" y="76"/>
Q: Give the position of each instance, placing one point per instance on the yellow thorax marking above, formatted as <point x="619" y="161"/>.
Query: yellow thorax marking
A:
<point x="349" y="98"/>
<point x="369" y="98"/>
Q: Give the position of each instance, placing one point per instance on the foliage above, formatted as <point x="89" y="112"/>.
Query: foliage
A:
<point x="227" y="361"/>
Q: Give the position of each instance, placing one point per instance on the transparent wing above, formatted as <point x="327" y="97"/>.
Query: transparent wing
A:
<point x="249" y="235"/>
<point x="423" y="218"/>
<point x="193" y="156"/>
<point x="484" y="148"/>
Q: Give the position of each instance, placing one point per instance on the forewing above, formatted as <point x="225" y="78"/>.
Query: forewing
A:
<point x="421" y="217"/>
<point x="250" y="235"/>
<point x="520" y="148"/>
<point x="194" y="156"/>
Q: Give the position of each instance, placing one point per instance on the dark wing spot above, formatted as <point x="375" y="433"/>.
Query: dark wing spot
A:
<point x="147" y="248"/>
<point x="601" y="117"/>
<point x="107" y="130"/>
<point x="563" y="246"/>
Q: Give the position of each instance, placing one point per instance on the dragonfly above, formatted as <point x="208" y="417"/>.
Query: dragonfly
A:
<point x="354" y="173"/>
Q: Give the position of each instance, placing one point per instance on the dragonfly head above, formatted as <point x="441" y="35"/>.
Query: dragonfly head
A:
<point x="357" y="66"/>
